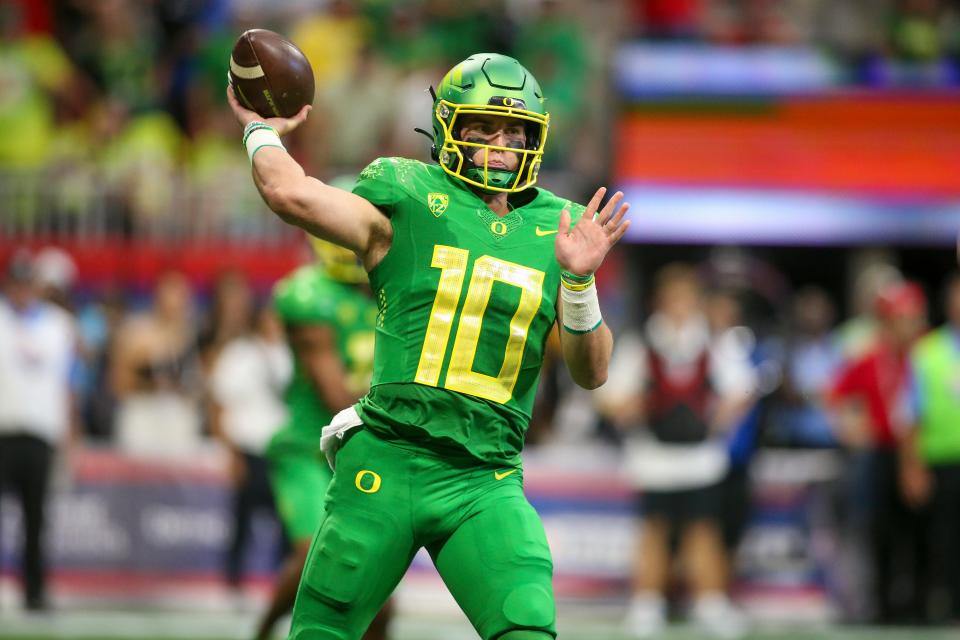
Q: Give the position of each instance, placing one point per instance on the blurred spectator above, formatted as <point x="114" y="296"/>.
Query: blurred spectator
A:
<point x="35" y="74"/>
<point x="155" y="375"/>
<point x="677" y="389"/>
<point x="864" y="400"/>
<point x="811" y="357"/>
<point x="56" y="272"/>
<point x="671" y="19"/>
<point x="554" y="49"/>
<point x="930" y="469"/>
<point x="247" y="381"/>
<point x="138" y="160"/>
<point x="915" y="30"/>
<point x="332" y="39"/>
<point x="37" y="351"/>
<point x="735" y="341"/>
<point x="857" y="334"/>
<point x="231" y="316"/>
<point x="99" y="323"/>
<point x="117" y="43"/>
<point x="354" y="116"/>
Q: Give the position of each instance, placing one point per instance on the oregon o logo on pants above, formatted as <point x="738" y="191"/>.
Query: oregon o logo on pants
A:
<point x="374" y="484"/>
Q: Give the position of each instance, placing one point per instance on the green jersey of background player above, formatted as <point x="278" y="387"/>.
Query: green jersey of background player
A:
<point x="470" y="266"/>
<point x="329" y="319"/>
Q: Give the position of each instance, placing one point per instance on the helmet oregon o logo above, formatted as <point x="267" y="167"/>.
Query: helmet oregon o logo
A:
<point x="508" y="101"/>
<point x="372" y="486"/>
<point x="499" y="227"/>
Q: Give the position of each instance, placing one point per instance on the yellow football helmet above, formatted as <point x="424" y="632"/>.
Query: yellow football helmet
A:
<point x="339" y="263"/>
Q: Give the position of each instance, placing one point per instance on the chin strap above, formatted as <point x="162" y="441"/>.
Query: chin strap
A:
<point x="434" y="153"/>
<point x="433" y="147"/>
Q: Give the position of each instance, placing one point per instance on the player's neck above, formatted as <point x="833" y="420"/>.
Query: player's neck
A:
<point x="497" y="202"/>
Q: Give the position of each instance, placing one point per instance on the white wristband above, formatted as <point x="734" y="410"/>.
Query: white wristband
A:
<point x="581" y="309"/>
<point x="259" y="138"/>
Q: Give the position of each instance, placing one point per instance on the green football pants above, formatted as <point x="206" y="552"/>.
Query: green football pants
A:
<point x="384" y="503"/>
<point x="299" y="480"/>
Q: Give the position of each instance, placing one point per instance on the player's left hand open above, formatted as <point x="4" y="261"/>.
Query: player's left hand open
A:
<point x="246" y="116"/>
<point x="581" y="250"/>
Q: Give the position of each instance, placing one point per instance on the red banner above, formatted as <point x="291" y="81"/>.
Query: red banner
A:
<point x="868" y="145"/>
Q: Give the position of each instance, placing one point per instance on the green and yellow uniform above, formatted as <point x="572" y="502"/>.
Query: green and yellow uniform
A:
<point x="466" y="302"/>
<point x="299" y="473"/>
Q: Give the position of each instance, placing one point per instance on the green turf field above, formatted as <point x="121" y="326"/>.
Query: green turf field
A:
<point x="116" y="625"/>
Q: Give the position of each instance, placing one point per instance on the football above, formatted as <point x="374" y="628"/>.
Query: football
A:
<point x="270" y="74"/>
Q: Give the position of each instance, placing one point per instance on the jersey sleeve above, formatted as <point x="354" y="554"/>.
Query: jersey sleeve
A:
<point x="378" y="185"/>
<point x="302" y="299"/>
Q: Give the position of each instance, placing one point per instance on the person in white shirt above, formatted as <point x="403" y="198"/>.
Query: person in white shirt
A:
<point x="37" y="356"/>
<point x="246" y="386"/>
<point x="155" y="375"/>
<point x="674" y="390"/>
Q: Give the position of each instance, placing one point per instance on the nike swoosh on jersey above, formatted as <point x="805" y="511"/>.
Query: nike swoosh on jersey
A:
<point x="547" y="232"/>
<point x="501" y="476"/>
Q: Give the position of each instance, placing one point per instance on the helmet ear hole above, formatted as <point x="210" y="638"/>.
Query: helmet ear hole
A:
<point x="533" y="136"/>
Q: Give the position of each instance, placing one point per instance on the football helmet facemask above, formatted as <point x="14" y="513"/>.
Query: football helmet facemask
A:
<point x="489" y="84"/>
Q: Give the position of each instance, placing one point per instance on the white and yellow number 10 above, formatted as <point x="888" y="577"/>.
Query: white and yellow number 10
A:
<point x="452" y="263"/>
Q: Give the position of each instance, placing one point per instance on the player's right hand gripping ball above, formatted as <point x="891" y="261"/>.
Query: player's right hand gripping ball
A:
<point x="270" y="74"/>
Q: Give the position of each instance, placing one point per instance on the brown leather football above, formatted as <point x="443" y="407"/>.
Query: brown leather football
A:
<point x="269" y="74"/>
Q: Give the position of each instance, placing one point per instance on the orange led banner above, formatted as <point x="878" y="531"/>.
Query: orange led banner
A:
<point x="878" y="145"/>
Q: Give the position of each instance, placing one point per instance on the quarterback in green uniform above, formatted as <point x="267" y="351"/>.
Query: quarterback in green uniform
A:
<point x="329" y="319"/>
<point x="470" y="266"/>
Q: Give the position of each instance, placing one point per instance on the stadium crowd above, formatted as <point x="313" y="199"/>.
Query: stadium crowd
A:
<point x="117" y="125"/>
<point x="109" y="104"/>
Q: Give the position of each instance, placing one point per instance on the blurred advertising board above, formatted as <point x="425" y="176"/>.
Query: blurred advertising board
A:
<point x="149" y="531"/>
<point x="786" y="145"/>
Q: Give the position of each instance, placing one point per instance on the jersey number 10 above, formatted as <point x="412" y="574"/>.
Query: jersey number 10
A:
<point x="461" y="377"/>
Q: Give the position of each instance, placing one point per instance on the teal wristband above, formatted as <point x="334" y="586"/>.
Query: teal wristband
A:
<point x="574" y="278"/>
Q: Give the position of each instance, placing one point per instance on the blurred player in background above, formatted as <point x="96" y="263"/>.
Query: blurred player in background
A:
<point x="471" y="267"/>
<point x="37" y="354"/>
<point x="329" y="319"/>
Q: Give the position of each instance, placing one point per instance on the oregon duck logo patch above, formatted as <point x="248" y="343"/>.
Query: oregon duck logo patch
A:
<point x="437" y="203"/>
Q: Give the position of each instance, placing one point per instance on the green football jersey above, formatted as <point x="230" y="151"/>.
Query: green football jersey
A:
<point x="309" y="297"/>
<point x="466" y="302"/>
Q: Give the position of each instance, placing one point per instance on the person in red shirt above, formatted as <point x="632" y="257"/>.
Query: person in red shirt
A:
<point x="865" y="401"/>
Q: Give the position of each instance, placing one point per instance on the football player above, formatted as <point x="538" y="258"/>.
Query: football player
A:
<point x="329" y="319"/>
<point x="470" y="265"/>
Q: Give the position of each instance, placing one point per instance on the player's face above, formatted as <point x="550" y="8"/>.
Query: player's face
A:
<point x="498" y="131"/>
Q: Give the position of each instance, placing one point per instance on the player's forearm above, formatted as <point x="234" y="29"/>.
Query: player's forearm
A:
<point x="298" y="199"/>
<point x="588" y="356"/>
<point x="282" y="183"/>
